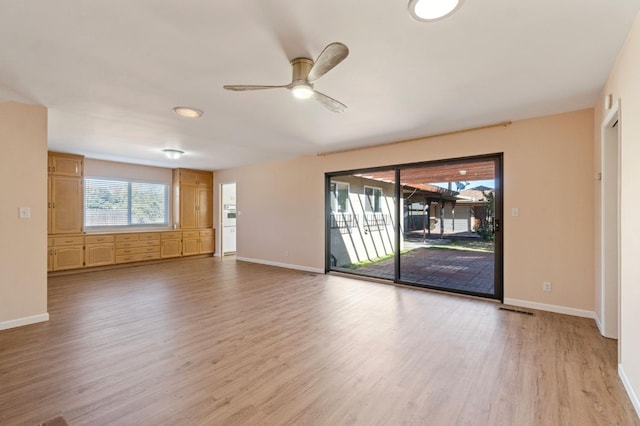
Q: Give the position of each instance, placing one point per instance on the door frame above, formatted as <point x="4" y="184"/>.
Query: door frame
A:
<point x="610" y="161"/>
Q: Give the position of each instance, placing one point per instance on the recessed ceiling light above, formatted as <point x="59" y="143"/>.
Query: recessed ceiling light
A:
<point x="188" y="112"/>
<point x="432" y="10"/>
<point x="173" y="154"/>
<point x="463" y="172"/>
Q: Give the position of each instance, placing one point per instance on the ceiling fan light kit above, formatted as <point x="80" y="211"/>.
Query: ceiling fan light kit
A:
<point x="302" y="91"/>
<point x="304" y="73"/>
<point x="432" y="10"/>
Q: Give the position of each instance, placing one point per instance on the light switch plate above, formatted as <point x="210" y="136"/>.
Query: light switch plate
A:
<point x="24" y="212"/>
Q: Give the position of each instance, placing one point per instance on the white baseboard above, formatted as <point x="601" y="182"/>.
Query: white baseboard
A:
<point x="282" y="265"/>
<point x="24" y="321"/>
<point x="550" y="308"/>
<point x="630" y="391"/>
<point x="598" y="324"/>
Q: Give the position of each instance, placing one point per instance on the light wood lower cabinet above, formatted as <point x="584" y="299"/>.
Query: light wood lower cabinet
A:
<point x="171" y="244"/>
<point x="207" y="240"/>
<point x="190" y="243"/>
<point x="137" y="247"/>
<point x="67" y="252"/>
<point x="99" y="250"/>
<point x="198" y="242"/>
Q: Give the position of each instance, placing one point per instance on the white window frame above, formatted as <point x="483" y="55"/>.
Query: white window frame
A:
<point x="129" y="225"/>
<point x="335" y="200"/>
<point x="370" y="200"/>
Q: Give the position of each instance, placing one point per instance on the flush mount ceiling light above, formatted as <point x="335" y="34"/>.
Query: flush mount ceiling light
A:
<point x="187" y="112"/>
<point x="432" y="10"/>
<point x="173" y="154"/>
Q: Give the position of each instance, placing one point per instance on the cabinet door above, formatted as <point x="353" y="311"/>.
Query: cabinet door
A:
<point x="205" y="179"/>
<point x="205" y="209"/>
<point x="188" y="207"/>
<point x="188" y="177"/>
<point x="206" y="245"/>
<point x="190" y="246"/>
<point x="65" y="166"/>
<point x="171" y="248"/>
<point x="65" y="205"/>
<point x="68" y="257"/>
<point x="99" y="254"/>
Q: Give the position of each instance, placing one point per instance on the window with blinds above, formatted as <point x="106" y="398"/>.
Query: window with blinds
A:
<point x="119" y="203"/>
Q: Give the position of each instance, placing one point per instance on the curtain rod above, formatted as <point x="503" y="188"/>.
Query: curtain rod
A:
<point x="454" y="132"/>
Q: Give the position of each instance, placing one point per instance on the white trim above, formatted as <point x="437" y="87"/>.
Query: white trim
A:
<point x="627" y="386"/>
<point x="551" y="308"/>
<point x="598" y="324"/>
<point x="282" y="265"/>
<point x="24" y="321"/>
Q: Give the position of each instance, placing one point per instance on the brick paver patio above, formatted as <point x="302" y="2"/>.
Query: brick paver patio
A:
<point x="468" y="271"/>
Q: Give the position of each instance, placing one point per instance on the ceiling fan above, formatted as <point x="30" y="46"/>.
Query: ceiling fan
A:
<point x="305" y="72"/>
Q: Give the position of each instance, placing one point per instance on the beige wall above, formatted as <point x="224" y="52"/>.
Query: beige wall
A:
<point x="23" y="254"/>
<point x="548" y="169"/>
<point x="624" y="84"/>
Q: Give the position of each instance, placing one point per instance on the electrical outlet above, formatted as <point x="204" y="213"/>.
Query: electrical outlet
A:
<point x="546" y="286"/>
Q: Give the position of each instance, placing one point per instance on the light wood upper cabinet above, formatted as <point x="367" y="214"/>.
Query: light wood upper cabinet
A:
<point x="193" y="198"/>
<point x="195" y="178"/>
<point x="205" y="208"/>
<point x="65" y="205"/>
<point x="65" y="164"/>
<point x="65" y="193"/>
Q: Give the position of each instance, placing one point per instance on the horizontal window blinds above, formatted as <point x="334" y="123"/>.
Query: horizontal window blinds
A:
<point x="110" y="202"/>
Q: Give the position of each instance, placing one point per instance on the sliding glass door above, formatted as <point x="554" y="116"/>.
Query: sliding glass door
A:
<point x="362" y="224"/>
<point x="432" y="225"/>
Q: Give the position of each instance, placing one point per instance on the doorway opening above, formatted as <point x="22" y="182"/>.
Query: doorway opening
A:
<point x="228" y="218"/>
<point x="433" y="224"/>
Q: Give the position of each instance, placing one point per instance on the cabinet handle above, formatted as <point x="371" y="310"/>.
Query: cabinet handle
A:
<point x="53" y="205"/>
<point x="53" y="169"/>
<point x="49" y="205"/>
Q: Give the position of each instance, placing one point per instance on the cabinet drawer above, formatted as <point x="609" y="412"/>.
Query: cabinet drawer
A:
<point x="149" y="236"/>
<point x="206" y="232"/>
<point x="130" y="244"/>
<point x="127" y="237"/>
<point x="68" y="241"/>
<point x="137" y="250"/>
<point x="171" y="235"/>
<point x="191" y="234"/>
<point x="96" y="239"/>
<point x="137" y="257"/>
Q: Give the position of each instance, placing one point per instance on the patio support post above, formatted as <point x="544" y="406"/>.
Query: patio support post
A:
<point x="453" y="216"/>
<point x="425" y="218"/>
<point x="441" y="218"/>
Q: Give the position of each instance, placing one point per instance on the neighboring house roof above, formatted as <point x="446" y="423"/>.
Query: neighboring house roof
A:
<point x="478" y="193"/>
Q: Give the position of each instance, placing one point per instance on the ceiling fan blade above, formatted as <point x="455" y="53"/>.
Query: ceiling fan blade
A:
<point x="331" y="56"/>
<point x="329" y="103"/>
<point x="244" y="87"/>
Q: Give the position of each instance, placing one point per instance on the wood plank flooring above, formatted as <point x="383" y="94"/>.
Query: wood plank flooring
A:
<point x="206" y="342"/>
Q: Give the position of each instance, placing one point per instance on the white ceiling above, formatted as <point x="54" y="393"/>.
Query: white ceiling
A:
<point x="110" y="71"/>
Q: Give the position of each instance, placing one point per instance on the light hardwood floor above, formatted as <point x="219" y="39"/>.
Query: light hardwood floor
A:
<point x="206" y="342"/>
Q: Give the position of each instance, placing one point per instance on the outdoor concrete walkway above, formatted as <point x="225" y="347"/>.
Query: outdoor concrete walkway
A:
<point x="467" y="271"/>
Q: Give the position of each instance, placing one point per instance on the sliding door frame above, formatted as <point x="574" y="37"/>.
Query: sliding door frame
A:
<point x="498" y="211"/>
